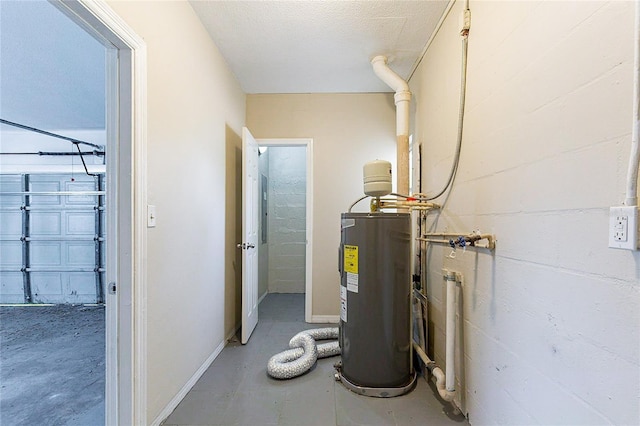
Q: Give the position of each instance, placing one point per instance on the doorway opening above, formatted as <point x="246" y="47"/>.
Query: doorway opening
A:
<point x="52" y="216"/>
<point x="286" y="189"/>
<point x="124" y="208"/>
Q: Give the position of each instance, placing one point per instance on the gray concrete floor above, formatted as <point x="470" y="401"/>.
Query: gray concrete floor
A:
<point x="52" y="365"/>
<point x="236" y="389"/>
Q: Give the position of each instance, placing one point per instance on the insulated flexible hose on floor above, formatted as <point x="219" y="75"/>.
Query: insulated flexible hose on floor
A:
<point x="303" y="353"/>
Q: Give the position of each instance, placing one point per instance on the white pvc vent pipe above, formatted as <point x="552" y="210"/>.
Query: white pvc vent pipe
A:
<point x="303" y="353"/>
<point x="402" y="99"/>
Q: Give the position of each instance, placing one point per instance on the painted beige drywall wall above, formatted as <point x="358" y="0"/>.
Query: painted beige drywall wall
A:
<point x="550" y="320"/>
<point x="348" y="130"/>
<point x="196" y="111"/>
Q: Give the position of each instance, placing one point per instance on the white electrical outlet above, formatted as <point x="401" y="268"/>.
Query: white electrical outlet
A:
<point x="623" y="227"/>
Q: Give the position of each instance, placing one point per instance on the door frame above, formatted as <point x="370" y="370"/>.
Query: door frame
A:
<point x="308" y="144"/>
<point x="125" y="322"/>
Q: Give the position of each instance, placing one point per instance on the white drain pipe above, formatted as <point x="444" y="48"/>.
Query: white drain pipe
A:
<point x="402" y="99"/>
<point x="445" y="381"/>
<point x="450" y="330"/>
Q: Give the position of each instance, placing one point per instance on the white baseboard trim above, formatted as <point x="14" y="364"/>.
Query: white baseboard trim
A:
<point x="332" y="319"/>
<point x="262" y="297"/>
<point x="190" y="383"/>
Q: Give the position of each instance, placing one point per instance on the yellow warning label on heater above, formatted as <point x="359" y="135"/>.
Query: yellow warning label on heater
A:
<point x="351" y="259"/>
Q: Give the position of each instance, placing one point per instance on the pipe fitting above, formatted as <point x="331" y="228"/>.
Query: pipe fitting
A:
<point x="402" y="96"/>
<point x="447" y="395"/>
<point x="385" y="74"/>
<point x="448" y="275"/>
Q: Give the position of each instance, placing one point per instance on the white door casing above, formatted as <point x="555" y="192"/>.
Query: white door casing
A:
<point x="249" y="244"/>
<point x="126" y="360"/>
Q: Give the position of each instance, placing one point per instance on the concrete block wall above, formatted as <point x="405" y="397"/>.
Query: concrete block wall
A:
<point x="287" y="219"/>
<point x="550" y="324"/>
<point x="263" y="247"/>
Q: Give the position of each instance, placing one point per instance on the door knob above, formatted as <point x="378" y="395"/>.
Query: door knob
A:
<point x="251" y="245"/>
<point x="241" y="246"/>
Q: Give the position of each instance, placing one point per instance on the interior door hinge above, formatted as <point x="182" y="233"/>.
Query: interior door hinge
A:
<point x="112" y="288"/>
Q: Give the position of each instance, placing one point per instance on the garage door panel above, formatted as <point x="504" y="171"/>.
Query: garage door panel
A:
<point x="10" y="224"/>
<point x="11" y="279"/>
<point x="11" y="200"/>
<point x="46" y="253"/>
<point x="61" y="239"/>
<point x="81" y="254"/>
<point x="10" y="183"/>
<point x="11" y="287"/>
<point x="36" y="185"/>
<point x="81" y="288"/>
<point x="81" y="223"/>
<point x="80" y="199"/>
<point x="46" y="287"/>
<point x="45" y="223"/>
<point x="10" y="254"/>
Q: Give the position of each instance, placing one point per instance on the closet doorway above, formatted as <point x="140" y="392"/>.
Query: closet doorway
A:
<point x="286" y="219"/>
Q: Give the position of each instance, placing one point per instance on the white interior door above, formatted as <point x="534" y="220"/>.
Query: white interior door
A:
<point x="249" y="244"/>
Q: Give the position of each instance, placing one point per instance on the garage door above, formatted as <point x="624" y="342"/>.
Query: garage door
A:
<point x="51" y="238"/>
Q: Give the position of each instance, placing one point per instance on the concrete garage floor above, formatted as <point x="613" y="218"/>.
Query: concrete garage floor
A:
<point x="52" y="365"/>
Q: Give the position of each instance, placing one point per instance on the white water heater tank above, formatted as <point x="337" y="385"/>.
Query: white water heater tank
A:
<point x="377" y="178"/>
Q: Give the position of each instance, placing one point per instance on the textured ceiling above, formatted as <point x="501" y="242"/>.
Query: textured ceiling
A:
<point x="318" y="46"/>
